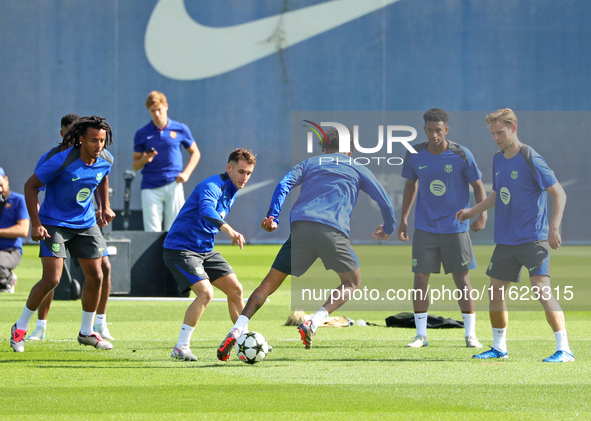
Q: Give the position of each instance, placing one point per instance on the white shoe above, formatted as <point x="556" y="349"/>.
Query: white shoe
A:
<point x="183" y="353"/>
<point x="472" y="342"/>
<point x="37" y="335"/>
<point x="103" y="330"/>
<point x="94" y="340"/>
<point x="418" y="341"/>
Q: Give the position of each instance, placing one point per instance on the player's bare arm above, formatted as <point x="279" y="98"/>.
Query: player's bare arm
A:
<point x="32" y="186"/>
<point x="408" y="198"/>
<point x="194" y="158"/>
<point x="559" y="202"/>
<point x="479" y="194"/>
<point x="485" y="205"/>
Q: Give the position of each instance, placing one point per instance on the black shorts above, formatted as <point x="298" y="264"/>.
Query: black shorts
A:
<point x="430" y="250"/>
<point x="507" y="261"/>
<point x="309" y="241"/>
<point x="86" y="243"/>
<point x="189" y="267"/>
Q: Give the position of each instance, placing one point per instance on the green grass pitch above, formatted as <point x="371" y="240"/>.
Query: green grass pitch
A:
<point x="350" y="373"/>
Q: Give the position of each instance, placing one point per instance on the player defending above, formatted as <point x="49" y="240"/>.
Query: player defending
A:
<point x="67" y="218"/>
<point x="320" y="221"/>
<point x="188" y="248"/>
<point x="100" y="325"/>
<point x="522" y="234"/>
<point x="444" y="172"/>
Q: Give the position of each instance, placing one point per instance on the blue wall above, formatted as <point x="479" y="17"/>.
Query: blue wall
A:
<point x="89" y="57"/>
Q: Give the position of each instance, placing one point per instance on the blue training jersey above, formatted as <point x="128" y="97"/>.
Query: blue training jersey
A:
<point x="168" y="164"/>
<point x="44" y="158"/>
<point x="330" y="187"/>
<point x="443" y="186"/>
<point x="14" y="210"/>
<point x="70" y="184"/>
<point x="520" y="183"/>
<point x="202" y="215"/>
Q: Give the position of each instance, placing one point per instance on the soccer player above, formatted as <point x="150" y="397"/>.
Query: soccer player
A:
<point x="521" y="182"/>
<point x="320" y="225"/>
<point x="188" y="247"/>
<point x="443" y="171"/>
<point x="100" y="325"/>
<point x="14" y="224"/>
<point x="157" y="152"/>
<point x="67" y="218"/>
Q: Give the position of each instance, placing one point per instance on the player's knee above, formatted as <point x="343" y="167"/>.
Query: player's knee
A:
<point x="106" y="267"/>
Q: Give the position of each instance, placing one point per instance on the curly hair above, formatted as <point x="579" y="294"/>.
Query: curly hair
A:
<point x="436" y="114"/>
<point x="68" y="119"/>
<point x="78" y="129"/>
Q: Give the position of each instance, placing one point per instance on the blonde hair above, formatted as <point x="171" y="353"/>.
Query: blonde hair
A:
<point x="156" y="98"/>
<point x="504" y="115"/>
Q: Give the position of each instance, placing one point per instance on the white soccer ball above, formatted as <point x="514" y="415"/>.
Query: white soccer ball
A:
<point x="252" y="347"/>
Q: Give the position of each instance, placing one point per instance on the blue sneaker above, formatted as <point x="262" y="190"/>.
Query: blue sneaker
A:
<point x="491" y="353"/>
<point x="37" y="335"/>
<point x="560" y="357"/>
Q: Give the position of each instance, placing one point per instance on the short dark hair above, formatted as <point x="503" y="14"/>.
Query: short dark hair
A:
<point x="68" y="119"/>
<point x="332" y="140"/>
<point x="72" y="136"/>
<point x="244" y="154"/>
<point x="436" y="114"/>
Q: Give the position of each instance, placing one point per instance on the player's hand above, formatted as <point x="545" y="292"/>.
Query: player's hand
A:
<point x="554" y="238"/>
<point x="478" y="224"/>
<point x="402" y="232"/>
<point x="108" y="215"/>
<point x="149" y="156"/>
<point x="182" y="178"/>
<point x="380" y="234"/>
<point x="463" y="214"/>
<point x="39" y="233"/>
<point x="269" y="224"/>
<point x="236" y="237"/>
<point x="100" y="221"/>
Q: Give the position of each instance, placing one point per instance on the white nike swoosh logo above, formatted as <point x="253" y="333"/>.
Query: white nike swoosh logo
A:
<point x="150" y="137"/>
<point x="182" y="49"/>
<point x="252" y="187"/>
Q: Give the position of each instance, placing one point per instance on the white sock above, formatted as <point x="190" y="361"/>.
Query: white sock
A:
<point x="469" y="324"/>
<point x="500" y="339"/>
<point x="562" y="341"/>
<point x="26" y="316"/>
<point x="318" y="318"/>
<point x="42" y="323"/>
<point x="421" y="323"/>
<point x="87" y="321"/>
<point x="185" y="336"/>
<point x="241" y="324"/>
<point x="101" y="319"/>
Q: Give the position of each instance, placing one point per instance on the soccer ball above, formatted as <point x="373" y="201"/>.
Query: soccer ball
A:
<point x="252" y="347"/>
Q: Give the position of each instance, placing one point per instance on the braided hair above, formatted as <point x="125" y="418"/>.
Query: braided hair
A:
<point x="78" y="129"/>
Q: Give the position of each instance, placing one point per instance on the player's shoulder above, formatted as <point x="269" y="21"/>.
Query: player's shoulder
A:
<point x="461" y="151"/>
<point x="150" y="127"/>
<point x="176" y="125"/>
<point x="106" y="156"/>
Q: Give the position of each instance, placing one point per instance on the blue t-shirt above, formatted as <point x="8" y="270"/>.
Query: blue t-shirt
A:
<point x="520" y="204"/>
<point x="330" y="187"/>
<point x="44" y="158"/>
<point x="444" y="186"/>
<point x="70" y="184"/>
<point x="168" y="164"/>
<point x="202" y="215"/>
<point x="15" y="209"/>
